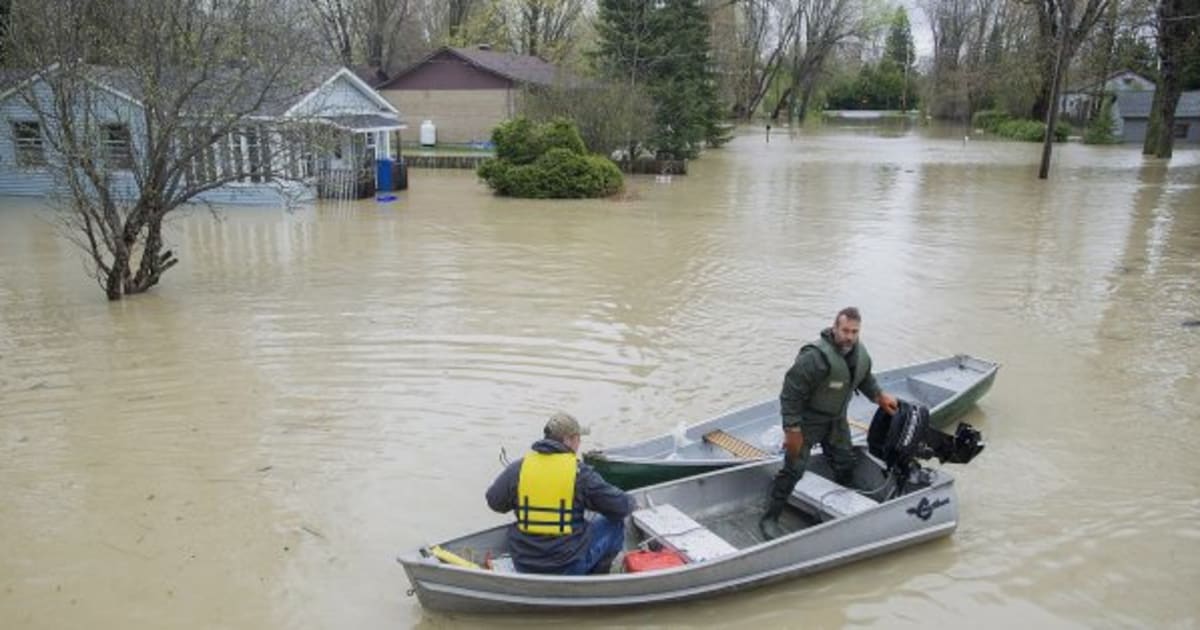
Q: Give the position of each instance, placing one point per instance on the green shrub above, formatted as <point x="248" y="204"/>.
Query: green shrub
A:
<point x="561" y="134"/>
<point x="989" y="119"/>
<point x="1031" y="130"/>
<point x="492" y="169"/>
<point x="1102" y="129"/>
<point x="517" y="142"/>
<point x="561" y="168"/>
<point x="1062" y="131"/>
<point x="1025" y="130"/>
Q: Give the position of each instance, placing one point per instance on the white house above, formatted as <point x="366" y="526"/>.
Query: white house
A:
<point x="267" y="163"/>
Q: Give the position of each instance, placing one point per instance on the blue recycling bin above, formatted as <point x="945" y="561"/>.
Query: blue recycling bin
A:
<point x="383" y="175"/>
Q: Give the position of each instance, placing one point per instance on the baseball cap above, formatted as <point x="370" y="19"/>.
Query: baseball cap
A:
<point x="564" y="425"/>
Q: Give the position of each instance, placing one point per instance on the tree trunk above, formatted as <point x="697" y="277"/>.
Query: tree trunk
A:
<point x="783" y="101"/>
<point x="1042" y="104"/>
<point x="1052" y="115"/>
<point x="375" y="47"/>
<point x="1173" y="32"/>
<point x="809" y="86"/>
<point x="154" y="260"/>
<point x="118" y="275"/>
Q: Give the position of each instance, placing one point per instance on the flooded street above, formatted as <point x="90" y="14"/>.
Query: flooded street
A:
<point x="308" y="394"/>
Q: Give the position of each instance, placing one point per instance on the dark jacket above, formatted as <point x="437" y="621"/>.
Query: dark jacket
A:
<point x="552" y="554"/>
<point x="809" y="373"/>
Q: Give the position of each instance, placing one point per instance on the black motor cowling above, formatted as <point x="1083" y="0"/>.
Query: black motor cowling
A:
<point x="902" y="438"/>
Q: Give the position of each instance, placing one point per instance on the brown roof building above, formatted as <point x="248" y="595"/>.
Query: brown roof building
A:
<point x="466" y="92"/>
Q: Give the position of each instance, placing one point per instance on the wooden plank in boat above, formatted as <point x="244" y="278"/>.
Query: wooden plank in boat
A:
<point x="680" y="532"/>
<point x="735" y="445"/>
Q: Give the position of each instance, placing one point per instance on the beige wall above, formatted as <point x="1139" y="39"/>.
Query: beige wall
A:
<point x="460" y="115"/>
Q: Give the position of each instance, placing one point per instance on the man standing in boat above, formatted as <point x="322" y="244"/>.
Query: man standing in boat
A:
<point x="816" y="393"/>
<point x="548" y="491"/>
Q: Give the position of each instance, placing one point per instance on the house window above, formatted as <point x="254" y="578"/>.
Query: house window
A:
<point x="1180" y="131"/>
<point x="258" y="154"/>
<point x="118" y="149"/>
<point x="239" y="159"/>
<point x="253" y="159"/>
<point x="30" y="148"/>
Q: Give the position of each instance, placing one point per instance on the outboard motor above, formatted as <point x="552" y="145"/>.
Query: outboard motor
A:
<point x="902" y="439"/>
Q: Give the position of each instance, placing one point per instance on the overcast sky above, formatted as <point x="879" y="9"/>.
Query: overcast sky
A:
<point x="922" y="38"/>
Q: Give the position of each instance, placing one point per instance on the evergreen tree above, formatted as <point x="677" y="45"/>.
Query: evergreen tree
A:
<point x="664" y="45"/>
<point x="897" y="70"/>
<point x="900" y="49"/>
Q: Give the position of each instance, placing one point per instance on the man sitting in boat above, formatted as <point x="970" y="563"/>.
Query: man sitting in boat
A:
<point x="548" y="491"/>
<point x="816" y="393"/>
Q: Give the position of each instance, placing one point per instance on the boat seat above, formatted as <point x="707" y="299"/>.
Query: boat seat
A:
<point x="680" y="532"/>
<point x="735" y="445"/>
<point x="822" y="495"/>
<point x="929" y="392"/>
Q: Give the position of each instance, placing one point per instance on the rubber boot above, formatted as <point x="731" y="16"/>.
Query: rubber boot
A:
<point x="769" y="523"/>
<point x="845" y="479"/>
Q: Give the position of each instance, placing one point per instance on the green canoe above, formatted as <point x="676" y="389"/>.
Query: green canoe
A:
<point x="948" y="387"/>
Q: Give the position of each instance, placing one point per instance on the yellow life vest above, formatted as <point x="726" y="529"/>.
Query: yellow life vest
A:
<point x="546" y="494"/>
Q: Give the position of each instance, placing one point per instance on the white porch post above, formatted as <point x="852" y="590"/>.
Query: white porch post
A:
<point x="383" y="146"/>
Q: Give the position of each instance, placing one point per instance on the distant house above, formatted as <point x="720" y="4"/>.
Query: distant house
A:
<point x="1131" y="114"/>
<point x="465" y="92"/>
<point x="269" y="165"/>
<point x="1080" y="102"/>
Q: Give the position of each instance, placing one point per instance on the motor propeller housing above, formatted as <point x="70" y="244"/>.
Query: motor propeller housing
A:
<point x="906" y="436"/>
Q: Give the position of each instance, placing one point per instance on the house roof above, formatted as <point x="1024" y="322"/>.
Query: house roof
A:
<point x="1138" y="104"/>
<point x="373" y="76"/>
<point x="225" y="90"/>
<point x="1089" y="85"/>
<point x="517" y="68"/>
<point x="366" y="122"/>
<point x="11" y="77"/>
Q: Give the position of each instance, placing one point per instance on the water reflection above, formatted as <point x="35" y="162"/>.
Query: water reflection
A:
<point x="310" y="392"/>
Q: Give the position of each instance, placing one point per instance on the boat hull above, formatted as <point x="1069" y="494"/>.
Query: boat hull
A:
<point x="949" y="387"/>
<point x="891" y="525"/>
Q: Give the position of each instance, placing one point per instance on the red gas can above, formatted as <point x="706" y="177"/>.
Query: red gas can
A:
<point x="638" y="561"/>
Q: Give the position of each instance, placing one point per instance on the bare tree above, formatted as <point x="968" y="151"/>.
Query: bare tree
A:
<point x="362" y="31"/>
<point x="950" y="22"/>
<point x="823" y="25"/>
<point x="132" y="140"/>
<point x="544" y="27"/>
<point x="764" y="32"/>
<point x="335" y="19"/>
<point x="1062" y="25"/>
<point x="382" y="19"/>
<point x="1069" y="30"/>
<point x="457" y="13"/>
<point x="607" y="115"/>
<point x="443" y="21"/>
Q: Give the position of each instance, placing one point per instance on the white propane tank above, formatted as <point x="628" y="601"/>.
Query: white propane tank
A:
<point x="428" y="134"/>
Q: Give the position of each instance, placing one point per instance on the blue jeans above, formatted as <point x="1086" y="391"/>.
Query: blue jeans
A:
<point x="606" y="538"/>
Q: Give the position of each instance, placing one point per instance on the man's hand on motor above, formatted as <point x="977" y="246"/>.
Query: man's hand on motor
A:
<point x="888" y="403"/>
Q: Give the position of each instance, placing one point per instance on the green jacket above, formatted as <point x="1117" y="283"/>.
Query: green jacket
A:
<point x="819" y="385"/>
